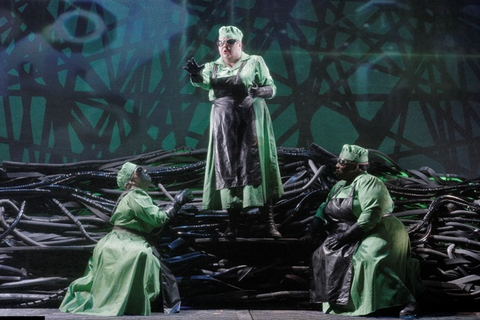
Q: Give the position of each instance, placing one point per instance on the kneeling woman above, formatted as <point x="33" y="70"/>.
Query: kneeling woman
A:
<point x="123" y="275"/>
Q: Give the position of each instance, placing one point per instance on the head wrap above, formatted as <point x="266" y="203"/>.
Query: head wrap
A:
<point x="354" y="153"/>
<point x="230" y="32"/>
<point x="125" y="173"/>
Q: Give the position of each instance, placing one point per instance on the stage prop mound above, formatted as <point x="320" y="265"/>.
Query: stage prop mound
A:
<point x="51" y="216"/>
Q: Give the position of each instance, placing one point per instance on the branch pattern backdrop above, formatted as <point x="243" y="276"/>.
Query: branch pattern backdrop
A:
<point x="96" y="79"/>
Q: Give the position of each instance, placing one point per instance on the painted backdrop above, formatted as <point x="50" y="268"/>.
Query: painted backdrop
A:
<point x="96" y="79"/>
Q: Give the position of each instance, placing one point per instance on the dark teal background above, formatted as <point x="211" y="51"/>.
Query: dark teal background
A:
<point x="98" y="79"/>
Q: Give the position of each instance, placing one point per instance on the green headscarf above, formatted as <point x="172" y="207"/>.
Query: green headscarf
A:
<point x="125" y="173"/>
<point x="354" y="153"/>
<point x="230" y="32"/>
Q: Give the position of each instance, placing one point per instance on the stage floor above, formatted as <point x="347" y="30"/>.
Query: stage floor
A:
<point x="224" y="314"/>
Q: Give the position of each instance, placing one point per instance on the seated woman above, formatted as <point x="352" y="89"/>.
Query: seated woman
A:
<point x="123" y="275"/>
<point x="364" y="264"/>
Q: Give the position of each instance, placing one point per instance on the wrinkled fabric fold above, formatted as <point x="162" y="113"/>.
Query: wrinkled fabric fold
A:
<point x="332" y="269"/>
<point x="122" y="277"/>
<point x="237" y="161"/>
<point x="333" y="273"/>
<point x="236" y="149"/>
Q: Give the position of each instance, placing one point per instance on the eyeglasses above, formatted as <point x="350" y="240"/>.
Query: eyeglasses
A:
<point x="140" y="170"/>
<point x="228" y="41"/>
<point x="343" y="162"/>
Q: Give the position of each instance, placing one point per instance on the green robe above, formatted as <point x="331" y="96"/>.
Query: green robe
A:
<point x="123" y="274"/>
<point x="255" y="70"/>
<point x="384" y="274"/>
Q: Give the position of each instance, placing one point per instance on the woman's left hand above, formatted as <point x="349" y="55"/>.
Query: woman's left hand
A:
<point x="334" y="242"/>
<point x="338" y="240"/>
<point x="255" y="91"/>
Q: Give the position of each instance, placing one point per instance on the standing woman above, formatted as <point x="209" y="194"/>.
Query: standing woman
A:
<point x="364" y="264"/>
<point x="123" y="275"/>
<point x="242" y="167"/>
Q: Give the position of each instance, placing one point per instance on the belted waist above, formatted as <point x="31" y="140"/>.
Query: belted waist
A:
<point x="136" y="232"/>
<point x="145" y="235"/>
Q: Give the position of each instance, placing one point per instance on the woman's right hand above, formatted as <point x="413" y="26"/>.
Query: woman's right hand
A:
<point x="192" y="67"/>
<point x="183" y="197"/>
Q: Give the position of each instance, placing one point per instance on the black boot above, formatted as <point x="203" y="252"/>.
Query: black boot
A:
<point x="231" y="231"/>
<point x="271" y="228"/>
<point x="409" y="311"/>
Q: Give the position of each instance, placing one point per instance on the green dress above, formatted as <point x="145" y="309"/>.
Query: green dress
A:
<point x="384" y="274"/>
<point x="123" y="274"/>
<point x="249" y="69"/>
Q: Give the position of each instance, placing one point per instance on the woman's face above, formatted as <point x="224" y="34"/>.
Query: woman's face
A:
<point x="230" y="49"/>
<point x="141" y="178"/>
<point x="346" y="170"/>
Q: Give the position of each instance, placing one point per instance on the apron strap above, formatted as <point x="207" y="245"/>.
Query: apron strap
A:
<point x="214" y="72"/>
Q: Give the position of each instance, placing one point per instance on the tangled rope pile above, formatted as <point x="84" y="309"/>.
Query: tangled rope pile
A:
<point x="52" y="215"/>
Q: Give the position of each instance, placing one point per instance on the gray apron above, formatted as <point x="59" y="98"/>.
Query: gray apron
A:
<point x="332" y="270"/>
<point x="237" y="162"/>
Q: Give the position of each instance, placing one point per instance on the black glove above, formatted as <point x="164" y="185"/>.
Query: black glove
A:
<point x="192" y="67"/>
<point x="313" y="230"/>
<point x="261" y="92"/>
<point x="180" y="199"/>
<point x="338" y="240"/>
<point x="246" y="103"/>
<point x="183" y="197"/>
